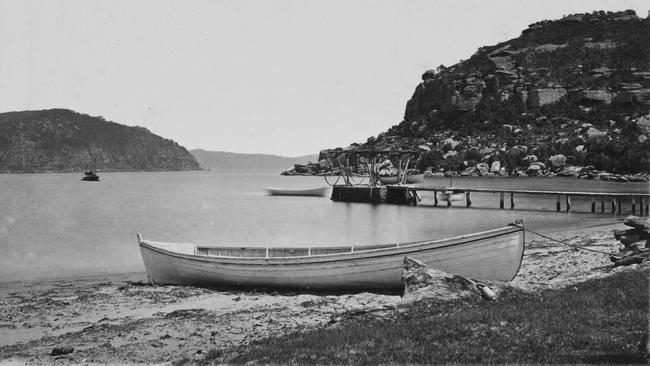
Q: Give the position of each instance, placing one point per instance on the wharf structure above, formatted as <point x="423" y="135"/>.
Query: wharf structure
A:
<point x="409" y="194"/>
<point x="604" y="202"/>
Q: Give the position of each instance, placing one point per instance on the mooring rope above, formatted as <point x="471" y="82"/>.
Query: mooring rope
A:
<point x="337" y="180"/>
<point x="575" y="246"/>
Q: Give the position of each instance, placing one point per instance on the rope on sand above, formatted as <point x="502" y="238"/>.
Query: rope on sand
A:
<point x="575" y="246"/>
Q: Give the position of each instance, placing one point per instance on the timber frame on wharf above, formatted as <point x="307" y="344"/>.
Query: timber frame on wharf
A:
<point x="402" y="193"/>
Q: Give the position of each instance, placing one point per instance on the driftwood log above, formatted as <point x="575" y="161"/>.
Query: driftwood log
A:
<point x="634" y="249"/>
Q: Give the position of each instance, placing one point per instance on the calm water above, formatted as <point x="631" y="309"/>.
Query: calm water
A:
<point x="55" y="224"/>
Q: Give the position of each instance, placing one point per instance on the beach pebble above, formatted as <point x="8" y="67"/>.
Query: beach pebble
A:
<point x="157" y="344"/>
<point x="62" y="350"/>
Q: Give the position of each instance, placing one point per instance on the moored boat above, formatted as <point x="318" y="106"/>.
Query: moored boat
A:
<point x="488" y="255"/>
<point x="315" y="192"/>
<point x="410" y="179"/>
<point x="90" y="175"/>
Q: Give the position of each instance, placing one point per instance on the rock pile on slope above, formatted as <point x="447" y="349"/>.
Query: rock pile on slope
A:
<point x="568" y="97"/>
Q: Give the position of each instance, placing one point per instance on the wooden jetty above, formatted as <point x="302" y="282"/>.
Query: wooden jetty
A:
<point x="375" y="192"/>
<point x="610" y="199"/>
<point x="605" y="202"/>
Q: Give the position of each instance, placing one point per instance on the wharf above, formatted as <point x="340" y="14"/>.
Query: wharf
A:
<point x="610" y="202"/>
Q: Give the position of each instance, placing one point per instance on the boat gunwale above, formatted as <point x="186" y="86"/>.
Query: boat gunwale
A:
<point x="334" y="257"/>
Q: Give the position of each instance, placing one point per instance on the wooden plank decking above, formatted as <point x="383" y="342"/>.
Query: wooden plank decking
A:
<point x="612" y="198"/>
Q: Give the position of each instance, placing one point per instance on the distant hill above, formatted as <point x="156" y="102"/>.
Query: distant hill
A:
<point x="220" y="160"/>
<point x="61" y="140"/>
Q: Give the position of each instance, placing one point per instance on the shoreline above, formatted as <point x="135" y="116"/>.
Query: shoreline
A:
<point x="140" y="272"/>
<point x="119" y="318"/>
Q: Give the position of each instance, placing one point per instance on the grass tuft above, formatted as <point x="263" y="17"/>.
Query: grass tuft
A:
<point x="598" y="321"/>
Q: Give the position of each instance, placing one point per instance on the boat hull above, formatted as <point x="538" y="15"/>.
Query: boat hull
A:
<point x="490" y="255"/>
<point x="314" y="192"/>
<point x="410" y="179"/>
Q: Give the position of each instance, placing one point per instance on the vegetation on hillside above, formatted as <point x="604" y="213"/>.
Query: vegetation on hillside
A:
<point x="64" y="140"/>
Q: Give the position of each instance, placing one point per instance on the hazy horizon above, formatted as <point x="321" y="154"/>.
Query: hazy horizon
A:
<point x="286" y="78"/>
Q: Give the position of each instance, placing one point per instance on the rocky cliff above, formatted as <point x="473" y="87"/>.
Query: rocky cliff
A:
<point x="568" y="97"/>
<point x="61" y="140"/>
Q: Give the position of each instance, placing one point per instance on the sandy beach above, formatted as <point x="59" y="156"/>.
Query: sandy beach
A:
<point x="120" y="319"/>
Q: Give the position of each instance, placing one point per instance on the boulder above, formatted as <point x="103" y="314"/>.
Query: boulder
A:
<point x="325" y="164"/>
<point x="522" y="148"/>
<point x="643" y="124"/>
<point x="482" y="168"/>
<point x="540" y="164"/>
<point x="544" y="96"/>
<point x="570" y="171"/>
<point x="533" y="170"/>
<point x="495" y="167"/>
<point x="595" y="96"/>
<point x="601" y="71"/>
<point x="449" y="153"/>
<point x="304" y="169"/>
<point x="429" y="74"/>
<point x="451" y="142"/>
<point x="530" y="158"/>
<point x="642" y="138"/>
<point x="421" y="282"/>
<point x="641" y="96"/>
<point x="325" y="154"/>
<point x="61" y="350"/>
<point x="486" y="150"/>
<point x="557" y="161"/>
<point x="594" y="132"/>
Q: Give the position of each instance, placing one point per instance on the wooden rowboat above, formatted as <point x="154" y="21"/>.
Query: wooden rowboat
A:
<point x="489" y="255"/>
<point x="410" y="179"/>
<point x="316" y="192"/>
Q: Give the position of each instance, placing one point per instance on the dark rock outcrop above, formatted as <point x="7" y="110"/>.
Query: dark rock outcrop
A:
<point x="420" y="282"/>
<point x="576" y="87"/>
<point x="61" y="140"/>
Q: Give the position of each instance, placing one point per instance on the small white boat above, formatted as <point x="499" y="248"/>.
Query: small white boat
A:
<point x="314" y="192"/>
<point x="410" y="179"/>
<point x="488" y="255"/>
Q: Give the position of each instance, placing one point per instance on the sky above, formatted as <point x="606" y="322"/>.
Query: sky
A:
<point x="280" y="77"/>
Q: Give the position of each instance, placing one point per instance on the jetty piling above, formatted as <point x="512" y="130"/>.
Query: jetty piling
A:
<point x="616" y="199"/>
<point x="408" y="194"/>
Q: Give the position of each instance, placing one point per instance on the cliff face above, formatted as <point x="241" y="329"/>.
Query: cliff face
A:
<point x="61" y="140"/>
<point x="578" y="87"/>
